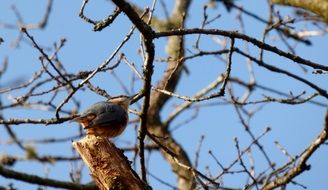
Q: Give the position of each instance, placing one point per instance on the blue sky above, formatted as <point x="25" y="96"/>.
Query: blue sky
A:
<point x="293" y="126"/>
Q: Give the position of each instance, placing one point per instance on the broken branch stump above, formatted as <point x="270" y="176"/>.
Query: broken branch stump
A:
<point x="108" y="165"/>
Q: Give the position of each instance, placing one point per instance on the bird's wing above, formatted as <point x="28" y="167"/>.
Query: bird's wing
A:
<point x="112" y="115"/>
<point x="92" y="112"/>
<point x="85" y="118"/>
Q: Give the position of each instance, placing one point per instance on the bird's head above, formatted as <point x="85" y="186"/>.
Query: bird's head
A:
<point x="121" y="100"/>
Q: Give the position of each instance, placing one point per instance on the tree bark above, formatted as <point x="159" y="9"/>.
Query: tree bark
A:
<point x="319" y="7"/>
<point x="108" y="165"/>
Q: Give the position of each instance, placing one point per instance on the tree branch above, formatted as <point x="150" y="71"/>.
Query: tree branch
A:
<point x="301" y="166"/>
<point x="234" y="34"/>
<point x="42" y="181"/>
<point x="147" y="37"/>
<point x="319" y="7"/>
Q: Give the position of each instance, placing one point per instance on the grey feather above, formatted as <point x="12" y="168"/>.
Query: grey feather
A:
<point x="106" y="114"/>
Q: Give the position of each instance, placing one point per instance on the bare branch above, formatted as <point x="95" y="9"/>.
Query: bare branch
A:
<point x="302" y="164"/>
<point x="234" y="34"/>
<point x="42" y="181"/>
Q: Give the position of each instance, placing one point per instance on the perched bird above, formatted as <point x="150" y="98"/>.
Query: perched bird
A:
<point x="106" y="118"/>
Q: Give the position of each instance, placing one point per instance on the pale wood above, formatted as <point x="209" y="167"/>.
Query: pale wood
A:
<point x="108" y="165"/>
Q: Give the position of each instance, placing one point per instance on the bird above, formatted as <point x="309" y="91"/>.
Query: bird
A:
<point x="106" y="118"/>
